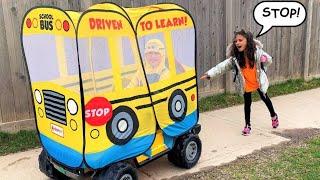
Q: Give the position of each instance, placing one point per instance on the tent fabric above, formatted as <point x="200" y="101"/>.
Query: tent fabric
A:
<point x="105" y="80"/>
<point x="113" y="41"/>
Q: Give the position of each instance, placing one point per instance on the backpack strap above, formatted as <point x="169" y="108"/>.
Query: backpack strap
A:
<point x="262" y="67"/>
<point x="237" y="71"/>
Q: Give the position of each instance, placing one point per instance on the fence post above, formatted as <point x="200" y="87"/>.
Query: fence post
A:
<point x="84" y="4"/>
<point x="308" y="39"/>
<point x="229" y="37"/>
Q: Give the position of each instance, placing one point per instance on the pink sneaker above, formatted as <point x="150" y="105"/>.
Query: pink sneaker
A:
<point x="246" y="130"/>
<point x="275" y="121"/>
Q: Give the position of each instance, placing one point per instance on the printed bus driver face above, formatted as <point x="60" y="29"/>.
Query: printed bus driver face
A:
<point x="240" y="42"/>
<point x="154" y="53"/>
<point x="153" y="58"/>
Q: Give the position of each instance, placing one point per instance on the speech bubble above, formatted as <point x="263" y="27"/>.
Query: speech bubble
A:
<point x="270" y="14"/>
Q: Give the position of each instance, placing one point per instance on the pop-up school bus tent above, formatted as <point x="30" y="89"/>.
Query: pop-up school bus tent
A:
<point x="99" y="101"/>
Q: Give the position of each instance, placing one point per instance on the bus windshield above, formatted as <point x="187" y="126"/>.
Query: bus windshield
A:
<point x="52" y="58"/>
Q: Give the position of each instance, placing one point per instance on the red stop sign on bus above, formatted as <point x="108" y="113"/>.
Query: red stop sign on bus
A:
<point x="98" y="111"/>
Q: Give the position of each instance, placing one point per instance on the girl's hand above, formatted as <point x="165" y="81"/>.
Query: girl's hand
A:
<point x="205" y="76"/>
<point x="263" y="58"/>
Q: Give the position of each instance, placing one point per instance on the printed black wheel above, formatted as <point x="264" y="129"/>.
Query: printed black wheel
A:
<point x="123" y="125"/>
<point x="177" y="106"/>
<point x="186" y="151"/>
<point x="118" y="171"/>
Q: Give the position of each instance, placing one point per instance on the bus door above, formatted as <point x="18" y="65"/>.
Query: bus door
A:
<point x="49" y="44"/>
<point x="119" y="119"/>
<point x="167" y="47"/>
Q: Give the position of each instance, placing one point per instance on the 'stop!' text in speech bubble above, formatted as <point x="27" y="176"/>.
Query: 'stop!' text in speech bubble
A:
<point x="278" y="14"/>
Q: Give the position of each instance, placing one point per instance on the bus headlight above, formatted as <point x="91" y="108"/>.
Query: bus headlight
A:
<point x="38" y="96"/>
<point x="72" y="106"/>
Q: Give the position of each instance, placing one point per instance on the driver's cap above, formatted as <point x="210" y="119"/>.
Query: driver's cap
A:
<point x="154" y="45"/>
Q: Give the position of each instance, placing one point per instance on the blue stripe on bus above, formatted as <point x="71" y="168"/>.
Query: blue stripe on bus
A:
<point x="181" y="127"/>
<point x="61" y="153"/>
<point x="168" y="141"/>
<point x="117" y="153"/>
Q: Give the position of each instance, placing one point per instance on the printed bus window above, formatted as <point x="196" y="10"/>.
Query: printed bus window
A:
<point x="128" y="57"/>
<point x="83" y="47"/>
<point x="101" y="64"/>
<point x="153" y="52"/>
<point x="86" y="72"/>
<point x="70" y="51"/>
<point x="184" y="46"/>
<point x="100" y="54"/>
<point x="131" y="70"/>
<point x="95" y="63"/>
<point x="41" y="56"/>
<point x="71" y="61"/>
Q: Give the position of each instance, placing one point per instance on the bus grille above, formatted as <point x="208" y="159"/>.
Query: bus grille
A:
<point x="54" y="104"/>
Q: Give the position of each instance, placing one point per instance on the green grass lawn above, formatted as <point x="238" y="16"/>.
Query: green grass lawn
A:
<point x="10" y="143"/>
<point x="292" y="163"/>
<point x="23" y="140"/>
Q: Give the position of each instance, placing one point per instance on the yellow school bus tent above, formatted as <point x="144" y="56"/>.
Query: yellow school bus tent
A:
<point x="137" y="73"/>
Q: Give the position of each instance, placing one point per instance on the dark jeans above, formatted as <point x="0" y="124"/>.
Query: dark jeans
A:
<point x="248" y="101"/>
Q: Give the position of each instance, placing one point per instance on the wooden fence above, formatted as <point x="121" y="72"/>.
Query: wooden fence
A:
<point x="295" y="50"/>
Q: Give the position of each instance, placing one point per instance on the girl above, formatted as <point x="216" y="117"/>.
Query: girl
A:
<point x="248" y="63"/>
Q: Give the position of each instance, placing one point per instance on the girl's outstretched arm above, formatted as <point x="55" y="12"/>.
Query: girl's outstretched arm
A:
<point x="219" y="69"/>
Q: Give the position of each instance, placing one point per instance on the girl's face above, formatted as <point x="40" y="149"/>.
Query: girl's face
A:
<point x="240" y="42"/>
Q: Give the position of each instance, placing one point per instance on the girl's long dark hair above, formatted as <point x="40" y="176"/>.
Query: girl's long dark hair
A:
<point x="251" y="48"/>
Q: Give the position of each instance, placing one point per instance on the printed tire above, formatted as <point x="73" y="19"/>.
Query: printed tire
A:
<point x="122" y="126"/>
<point x="177" y="106"/>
